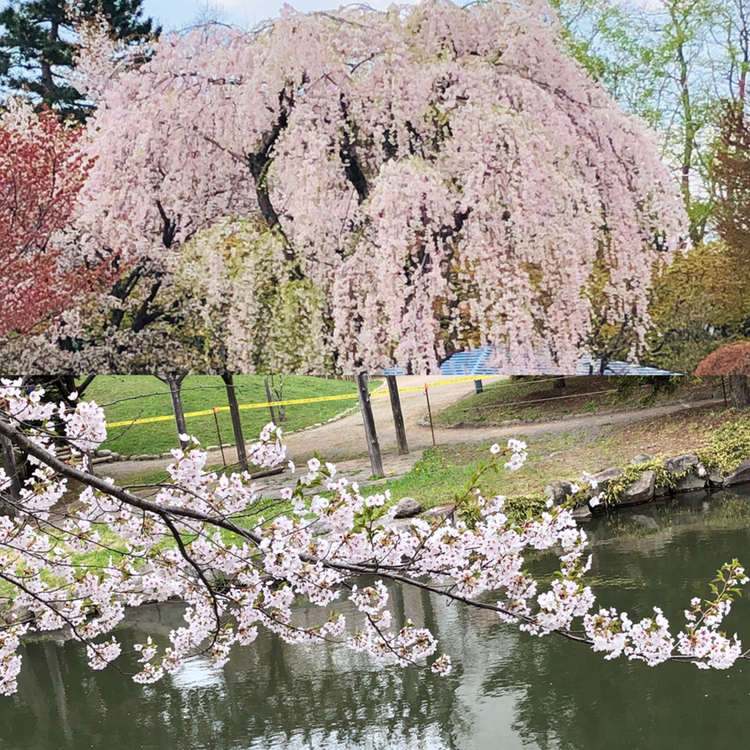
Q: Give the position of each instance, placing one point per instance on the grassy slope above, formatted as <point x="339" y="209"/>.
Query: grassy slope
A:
<point x="534" y="399"/>
<point x="146" y="396"/>
<point x="445" y="470"/>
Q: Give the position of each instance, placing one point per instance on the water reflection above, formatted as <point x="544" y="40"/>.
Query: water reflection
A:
<point x="508" y="690"/>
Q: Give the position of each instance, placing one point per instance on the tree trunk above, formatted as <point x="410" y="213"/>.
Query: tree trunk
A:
<point x="691" y="125"/>
<point x="47" y="79"/>
<point x="559" y="382"/>
<point x="13" y="491"/>
<point x="739" y="389"/>
<point x="67" y="385"/>
<point x="82" y="386"/>
<point x="234" y="411"/>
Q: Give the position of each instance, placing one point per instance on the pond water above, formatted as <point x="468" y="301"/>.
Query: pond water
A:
<point x="508" y="689"/>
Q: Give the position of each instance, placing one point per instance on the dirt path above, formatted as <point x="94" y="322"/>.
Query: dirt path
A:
<point x="343" y="440"/>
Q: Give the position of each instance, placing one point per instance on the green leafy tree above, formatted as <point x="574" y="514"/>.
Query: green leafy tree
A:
<point x="699" y="303"/>
<point x="608" y="39"/>
<point x="38" y="45"/>
<point x="671" y="63"/>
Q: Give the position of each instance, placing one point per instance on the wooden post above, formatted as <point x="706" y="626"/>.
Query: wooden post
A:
<point x="429" y="411"/>
<point x="398" y="417"/>
<point x="234" y="411"/>
<point x="270" y="401"/>
<point x="371" y="436"/>
<point x="279" y="393"/>
<point x="218" y="434"/>
<point x="175" y="383"/>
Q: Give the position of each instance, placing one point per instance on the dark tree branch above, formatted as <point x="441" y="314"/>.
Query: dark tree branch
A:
<point x="169" y="229"/>
<point x="348" y="156"/>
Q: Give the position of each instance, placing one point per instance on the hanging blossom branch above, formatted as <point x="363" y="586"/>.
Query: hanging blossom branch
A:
<point x="201" y="540"/>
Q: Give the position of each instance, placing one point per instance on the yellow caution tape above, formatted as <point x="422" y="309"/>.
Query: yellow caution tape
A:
<point x="261" y="405"/>
<point x="293" y="401"/>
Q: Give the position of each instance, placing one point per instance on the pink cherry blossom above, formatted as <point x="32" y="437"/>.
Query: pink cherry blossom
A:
<point x="413" y="182"/>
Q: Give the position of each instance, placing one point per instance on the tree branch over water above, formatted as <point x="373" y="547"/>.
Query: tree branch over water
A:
<point x="203" y="539"/>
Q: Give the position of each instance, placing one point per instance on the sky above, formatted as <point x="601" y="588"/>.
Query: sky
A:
<point x="175" y="14"/>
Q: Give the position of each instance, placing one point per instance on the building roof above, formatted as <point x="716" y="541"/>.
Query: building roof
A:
<point x="480" y="362"/>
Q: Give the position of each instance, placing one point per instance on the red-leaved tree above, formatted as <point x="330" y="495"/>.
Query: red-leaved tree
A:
<point x="41" y="174"/>
<point x="732" y="360"/>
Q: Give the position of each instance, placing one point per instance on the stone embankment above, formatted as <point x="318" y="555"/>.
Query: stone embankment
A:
<point x="645" y="480"/>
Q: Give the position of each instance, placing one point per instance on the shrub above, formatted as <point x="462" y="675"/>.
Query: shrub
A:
<point x="727" y="446"/>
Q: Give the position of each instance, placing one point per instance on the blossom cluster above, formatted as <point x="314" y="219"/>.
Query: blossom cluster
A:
<point x="241" y="561"/>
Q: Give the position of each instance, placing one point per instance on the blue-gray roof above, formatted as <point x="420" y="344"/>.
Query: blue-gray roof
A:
<point x="477" y="362"/>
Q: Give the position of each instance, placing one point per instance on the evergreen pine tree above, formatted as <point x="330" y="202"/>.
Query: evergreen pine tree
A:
<point x="37" y="46"/>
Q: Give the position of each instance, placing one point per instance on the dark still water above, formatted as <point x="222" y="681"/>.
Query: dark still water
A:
<point x="508" y="689"/>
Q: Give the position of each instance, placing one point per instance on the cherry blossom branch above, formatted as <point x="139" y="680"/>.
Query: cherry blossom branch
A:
<point x="71" y="472"/>
<point x="258" y="573"/>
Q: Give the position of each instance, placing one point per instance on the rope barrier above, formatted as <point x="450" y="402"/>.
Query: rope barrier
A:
<point x="295" y="401"/>
<point x="343" y="396"/>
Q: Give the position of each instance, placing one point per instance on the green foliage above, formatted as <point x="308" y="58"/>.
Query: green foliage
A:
<point x="658" y="385"/>
<point x="519" y="508"/>
<point x="604" y="36"/>
<point x="727" y="446"/>
<point x="251" y="308"/>
<point x="523" y="507"/>
<point x="608" y="340"/>
<point x="699" y="303"/>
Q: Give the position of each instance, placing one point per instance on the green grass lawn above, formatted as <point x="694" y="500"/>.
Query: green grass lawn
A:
<point x="537" y="398"/>
<point x="443" y="472"/>
<point x="137" y="396"/>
